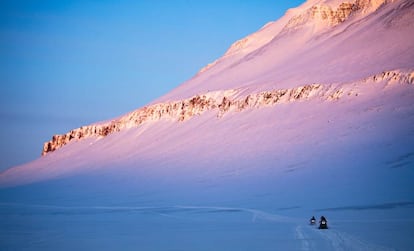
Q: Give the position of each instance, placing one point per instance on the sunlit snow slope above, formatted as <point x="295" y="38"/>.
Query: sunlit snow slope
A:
<point x="312" y="114"/>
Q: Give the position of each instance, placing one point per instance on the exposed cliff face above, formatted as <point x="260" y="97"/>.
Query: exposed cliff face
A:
<point x="222" y="103"/>
<point x="332" y="15"/>
<point x="326" y="15"/>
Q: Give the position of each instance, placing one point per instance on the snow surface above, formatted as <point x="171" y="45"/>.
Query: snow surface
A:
<point x="251" y="179"/>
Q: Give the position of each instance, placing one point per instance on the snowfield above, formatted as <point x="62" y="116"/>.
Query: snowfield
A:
<point x="195" y="228"/>
<point x="312" y="115"/>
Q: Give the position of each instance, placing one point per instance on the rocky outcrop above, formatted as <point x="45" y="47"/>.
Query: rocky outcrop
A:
<point x="83" y="132"/>
<point x="324" y="14"/>
<point x="237" y="46"/>
<point x="394" y="76"/>
<point x="333" y="17"/>
<point x="223" y="102"/>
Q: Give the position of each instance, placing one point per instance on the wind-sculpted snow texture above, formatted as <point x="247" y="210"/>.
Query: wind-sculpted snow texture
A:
<point x="221" y="102"/>
<point x="311" y="115"/>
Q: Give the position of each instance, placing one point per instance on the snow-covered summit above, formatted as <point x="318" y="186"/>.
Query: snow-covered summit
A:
<point x="319" y="14"/>
<point x="318" y="41"/>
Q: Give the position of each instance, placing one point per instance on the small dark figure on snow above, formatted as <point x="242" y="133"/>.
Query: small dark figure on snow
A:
<point x="313" y="220"/>
<point x="323" y="223"/>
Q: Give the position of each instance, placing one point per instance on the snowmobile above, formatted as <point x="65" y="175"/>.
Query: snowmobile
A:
<point x="323" y="223"/>
<point x="313" y="220"/>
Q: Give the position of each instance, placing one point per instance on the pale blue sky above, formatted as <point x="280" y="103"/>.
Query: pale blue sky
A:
<point x="64" y="64"/>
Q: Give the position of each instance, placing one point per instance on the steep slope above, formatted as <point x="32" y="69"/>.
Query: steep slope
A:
<point x="322" y="50"/>
<point x="328" y="42"/>
<point x="222" y="102"/>
<point x="154" y="130"/>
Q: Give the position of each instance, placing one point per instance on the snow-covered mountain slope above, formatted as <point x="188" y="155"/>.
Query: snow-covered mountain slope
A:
<point x="312" y="114"/>
<point x="221" y="103"/>
<point x="169" y="132"/>
<point x="328" y="42"/>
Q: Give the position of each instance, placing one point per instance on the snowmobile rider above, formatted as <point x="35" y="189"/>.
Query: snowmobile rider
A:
<point x="313" y="220"/>
<point x="323" y="223"/>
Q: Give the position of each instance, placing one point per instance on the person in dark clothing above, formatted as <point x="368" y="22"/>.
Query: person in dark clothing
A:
<point x="323" y="223"/>
<point x="313" y="220"/>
